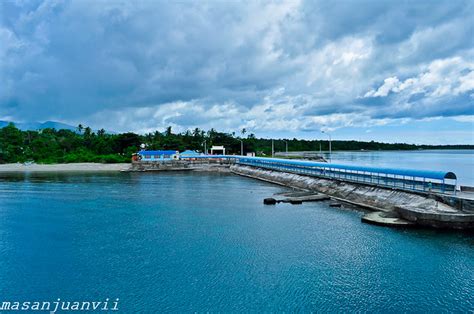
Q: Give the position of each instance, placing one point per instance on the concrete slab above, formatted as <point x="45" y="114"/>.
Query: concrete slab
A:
<point x="386" y="219"/>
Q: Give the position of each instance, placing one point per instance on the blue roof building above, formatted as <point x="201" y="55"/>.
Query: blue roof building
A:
<point x="158" y="155"/>
<point x="189" y="154"/>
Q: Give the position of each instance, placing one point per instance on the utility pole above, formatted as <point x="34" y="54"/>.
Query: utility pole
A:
<point x="205" y="147"/>
<point x="286" y="144"/>
<point x="273" y="148"/>
<point x="329" y="135"/>
<point x="241" y="148"/>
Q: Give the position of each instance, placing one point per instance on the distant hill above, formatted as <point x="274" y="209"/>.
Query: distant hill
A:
<point x="32" y="126"/>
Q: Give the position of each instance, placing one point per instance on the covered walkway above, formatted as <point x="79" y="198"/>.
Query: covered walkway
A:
<point x="403" y="179"/>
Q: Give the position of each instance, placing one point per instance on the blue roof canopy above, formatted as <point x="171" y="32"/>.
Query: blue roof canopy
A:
<point x="189" y="153"/>
<point x="439" y="175"/>
<point x="156" y="152"/>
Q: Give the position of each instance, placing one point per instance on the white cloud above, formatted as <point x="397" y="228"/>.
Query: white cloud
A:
<point x="391" y="84"/>
<point x="451" y="76"/>
<point x="338" y="62"/>
<point x="466" y="83"/>
<point x="468" y="119"/>
<point x="442" y="39"/>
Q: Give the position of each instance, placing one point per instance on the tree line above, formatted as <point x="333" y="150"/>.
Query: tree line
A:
<point x="86" y="145"/>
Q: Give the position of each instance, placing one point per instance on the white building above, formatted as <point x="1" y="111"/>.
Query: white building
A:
<point x="219" y="149"/>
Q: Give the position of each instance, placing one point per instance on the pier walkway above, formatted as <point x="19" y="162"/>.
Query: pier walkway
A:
<point x="401" y="179"/>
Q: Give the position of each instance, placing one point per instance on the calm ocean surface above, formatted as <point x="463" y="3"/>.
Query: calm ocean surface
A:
<point x="461" y="162"/>
<point x="174" y="242"/>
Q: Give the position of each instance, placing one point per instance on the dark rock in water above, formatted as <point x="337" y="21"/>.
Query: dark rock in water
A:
<point x="296" y="202"/>
<point x="304" y="198"/>
<point x="335" y="204"/>
<point x="269" y="201"/>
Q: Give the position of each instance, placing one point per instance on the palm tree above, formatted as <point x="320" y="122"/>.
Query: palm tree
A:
<point x="80" y="128"/>
<point x="87" y="131"/>
<point x="168" y="131"/>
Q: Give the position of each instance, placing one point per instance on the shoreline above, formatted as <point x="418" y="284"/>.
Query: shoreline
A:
<point x="71" y="167"/>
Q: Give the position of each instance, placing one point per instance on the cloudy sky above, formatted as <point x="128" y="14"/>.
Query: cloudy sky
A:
<point x="382" y="70"/>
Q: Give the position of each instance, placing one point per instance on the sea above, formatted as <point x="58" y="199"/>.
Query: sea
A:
<point x="205" y="242"/>
<point x="461" y="161"/>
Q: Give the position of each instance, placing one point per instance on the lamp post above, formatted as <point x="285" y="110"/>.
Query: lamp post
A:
<point x="329" y="135"/>
<point x="273" y="148"/>
<point x="205" y="147"/>
<point x="241" y="147"/>
<point x="286" y="148"/>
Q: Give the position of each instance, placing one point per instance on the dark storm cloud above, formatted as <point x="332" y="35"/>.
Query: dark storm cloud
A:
<point x="273" y="64"/>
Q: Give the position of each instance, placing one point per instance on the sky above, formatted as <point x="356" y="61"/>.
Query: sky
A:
<point x="392" y="71"/>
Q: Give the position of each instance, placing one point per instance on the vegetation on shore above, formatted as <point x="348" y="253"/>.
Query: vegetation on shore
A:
<point x="84" y="145"/>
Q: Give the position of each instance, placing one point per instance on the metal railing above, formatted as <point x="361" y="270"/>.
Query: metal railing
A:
<point x="400" y="182"/>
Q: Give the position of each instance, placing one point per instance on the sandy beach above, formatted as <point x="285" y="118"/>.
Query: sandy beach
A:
<point x="80" y="167"/>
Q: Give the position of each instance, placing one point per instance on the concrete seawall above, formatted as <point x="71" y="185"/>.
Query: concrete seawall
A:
<point x="180" y="165"/>
<point x="422" y="209"/>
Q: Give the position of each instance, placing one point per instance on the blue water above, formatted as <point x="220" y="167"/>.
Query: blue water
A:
<point x="461" y="162"/>
<point x="174" y="242"/>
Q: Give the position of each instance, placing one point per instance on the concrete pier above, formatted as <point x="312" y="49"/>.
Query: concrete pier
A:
<point x="214" y="165"/>
<point x="424" y="210"/>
